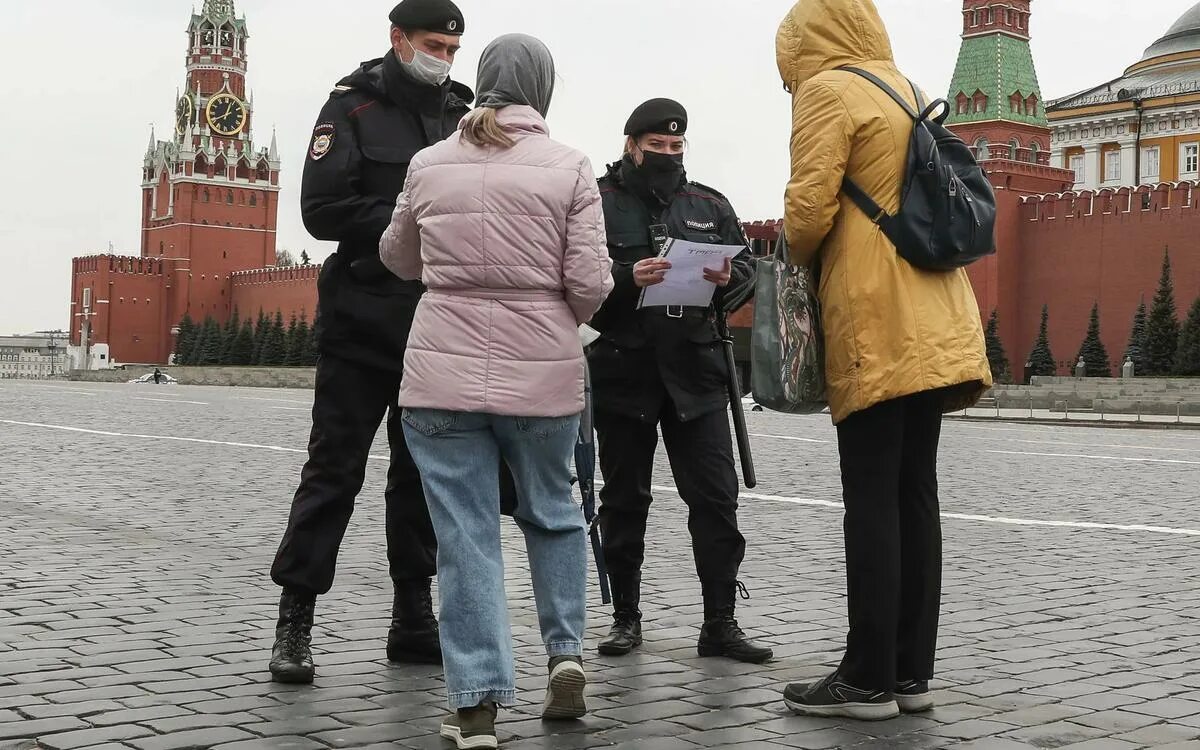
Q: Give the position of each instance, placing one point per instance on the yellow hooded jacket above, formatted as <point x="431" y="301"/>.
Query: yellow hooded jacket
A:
<point x="891" y="330"/>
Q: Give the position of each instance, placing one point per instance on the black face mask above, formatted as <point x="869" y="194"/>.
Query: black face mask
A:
<point x="663" y="173"/>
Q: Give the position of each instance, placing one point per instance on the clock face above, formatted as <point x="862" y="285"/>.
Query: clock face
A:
<point x="184" y="112"/>
<point x="226" y="114"/>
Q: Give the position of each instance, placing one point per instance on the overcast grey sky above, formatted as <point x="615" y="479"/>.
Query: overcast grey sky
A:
<point x="82" y="82"/>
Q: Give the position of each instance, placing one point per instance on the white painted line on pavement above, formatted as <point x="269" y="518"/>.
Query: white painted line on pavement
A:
<point x="1061" y="429"/>
<point x="974" y="517"/>
<point x="57" y="388"/>
<point x="106" y="433"/>
<point x="171" y="401"/>
<point x="1011" y="440"/>
<point x="273" y="400"/>
<point x="1089" y="445"/>
<point x="77" y="393"/>
<point x="290" y="408"/>
<point x="789" y="438"/>
<point x="660" y="488"/>
<point x="1099" y="458"/>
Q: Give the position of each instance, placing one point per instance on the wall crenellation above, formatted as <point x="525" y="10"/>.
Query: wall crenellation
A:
<point x="276" y="275"/>
<point x="1145" y="200"/>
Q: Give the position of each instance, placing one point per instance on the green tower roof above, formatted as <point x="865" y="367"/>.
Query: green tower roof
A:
<point x="998" y="65"/>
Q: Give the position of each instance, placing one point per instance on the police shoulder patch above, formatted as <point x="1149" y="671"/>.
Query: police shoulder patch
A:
<point x="322" y="141"/>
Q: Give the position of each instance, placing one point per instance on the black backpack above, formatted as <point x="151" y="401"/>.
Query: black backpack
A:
<point x="947" y="216"/>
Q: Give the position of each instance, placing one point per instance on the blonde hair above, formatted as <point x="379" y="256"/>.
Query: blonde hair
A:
<point x="483" y="129"/>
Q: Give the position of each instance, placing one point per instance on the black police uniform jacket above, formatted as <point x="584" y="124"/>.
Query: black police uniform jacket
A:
<point x="375" y="121"/>
<point x="645" y="356"/>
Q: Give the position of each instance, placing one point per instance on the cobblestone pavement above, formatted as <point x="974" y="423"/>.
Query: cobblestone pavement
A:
<point x="137" y="525"/>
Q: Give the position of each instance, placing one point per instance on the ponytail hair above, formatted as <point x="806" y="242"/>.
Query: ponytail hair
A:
<point x="481" y="128"/>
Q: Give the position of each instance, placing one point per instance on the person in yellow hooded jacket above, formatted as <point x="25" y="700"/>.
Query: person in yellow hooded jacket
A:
<point x="903" y="346"/>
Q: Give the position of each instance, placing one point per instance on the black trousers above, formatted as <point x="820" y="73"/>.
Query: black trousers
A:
<point x="701" y="456"/>
<point x="351" y="401"/>
<point x="893" y="540"/>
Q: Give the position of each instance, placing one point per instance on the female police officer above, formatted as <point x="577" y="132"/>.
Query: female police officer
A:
<point x="664" y="366"/>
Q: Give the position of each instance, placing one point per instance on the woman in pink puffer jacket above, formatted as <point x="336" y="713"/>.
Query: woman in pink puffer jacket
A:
<point x="504" y="226"/>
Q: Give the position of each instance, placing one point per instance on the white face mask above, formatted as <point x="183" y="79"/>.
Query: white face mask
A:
<point x="425" y="67"/>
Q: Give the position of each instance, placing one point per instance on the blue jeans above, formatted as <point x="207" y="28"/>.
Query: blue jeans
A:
<point x="459" y="457"/>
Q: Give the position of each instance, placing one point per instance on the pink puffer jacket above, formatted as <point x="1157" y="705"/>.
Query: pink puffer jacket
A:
<point x="511" y="245"/>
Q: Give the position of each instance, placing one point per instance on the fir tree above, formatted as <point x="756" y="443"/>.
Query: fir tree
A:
<point x="298" y="338"/>
<point x="196" y="351"/>
<point x="1041" y="359"/>
<point x="261" y="329"/>
<point x="292" y="344"/>
<point x="1092" y="351"/>
<point x="1137" y="341"/>
<point x="1187" y="358"/>
<point x="310" y="354"/>
<point x="233" y="327"/>
<point x="1162" y="328"/>
<point x="304" y="259"/>
<point x="274" y="351"/>
<point x="242" y="351"/>
<point x="997" y="359"/>
<point x="210" y="353"/>
<point x="185" y="340"/>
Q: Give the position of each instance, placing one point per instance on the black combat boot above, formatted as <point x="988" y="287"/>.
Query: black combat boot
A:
<point x="413" y="636"/>
<point x="626" y="633"/>
<point x="291" y="658"/>
<point x="721" y="635"/>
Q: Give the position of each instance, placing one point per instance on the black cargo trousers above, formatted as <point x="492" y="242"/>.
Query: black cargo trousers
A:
<point x="351" y="401"/>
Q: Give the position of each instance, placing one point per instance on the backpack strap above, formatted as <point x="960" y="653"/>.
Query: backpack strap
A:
<point x="868" y="205"/>
<point x="914" y="114"/>
<point x="877" y="213"/>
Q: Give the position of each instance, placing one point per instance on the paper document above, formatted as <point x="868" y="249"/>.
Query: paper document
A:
<point x="587" y="335"/>
<point x="684" y="284"/>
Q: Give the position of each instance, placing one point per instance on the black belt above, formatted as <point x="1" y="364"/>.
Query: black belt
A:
<point x="680" y="311"/>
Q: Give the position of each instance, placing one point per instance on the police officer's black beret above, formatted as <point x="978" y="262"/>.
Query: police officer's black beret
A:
<point x="662" y="116"/>
<point x="441" y="16"/>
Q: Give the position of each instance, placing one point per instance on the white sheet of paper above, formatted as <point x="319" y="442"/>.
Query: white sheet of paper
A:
<point x="684" y="283"/>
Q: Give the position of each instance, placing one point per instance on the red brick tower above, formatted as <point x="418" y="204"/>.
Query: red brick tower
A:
<point x="210" y="198"/>
<point x="997" y="107"/>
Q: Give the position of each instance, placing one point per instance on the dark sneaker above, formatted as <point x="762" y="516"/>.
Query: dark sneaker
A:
<point x="413" y="637"/>
<point x="914" y="696"/>
<point x="832" y="697"/>
<point x="625" y="635"/>
<point x="564" y="692"/>
<point x="291" y="657"/>
<point x="721" y="636"/>
<point x="472" y="728"/>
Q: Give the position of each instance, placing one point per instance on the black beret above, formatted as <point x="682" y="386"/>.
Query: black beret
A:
<point x="662" y="116"/>
<point x="441" y="16"/>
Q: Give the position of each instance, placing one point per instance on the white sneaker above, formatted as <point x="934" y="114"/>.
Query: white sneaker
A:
<point x="564" y="691"/>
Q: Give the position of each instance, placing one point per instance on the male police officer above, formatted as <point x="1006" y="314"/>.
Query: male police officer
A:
<point x="374" y="122"/>
<point x="665" y="366"/>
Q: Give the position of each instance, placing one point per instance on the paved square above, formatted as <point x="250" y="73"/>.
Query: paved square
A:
<point x="137" y="525"/>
